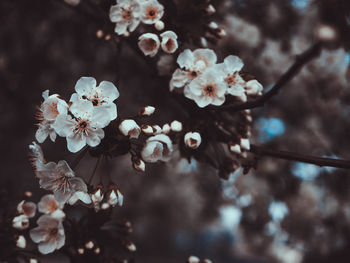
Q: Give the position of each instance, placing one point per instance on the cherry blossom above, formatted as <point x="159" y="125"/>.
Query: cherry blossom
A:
<point x="169" y="42"/>
<point x="157" y="148"/>
<point x="27" y="208"/>
<point x="126" y="15"/>
<point x="20" y="222"/>
<point x="49" y="110"/>
<point x="151" y="11"/>
<point x="60" y="179"/>
<point x="253" y="87"/>
<point x="84" y="127"/>
<point x="149" y="44"/>
<point x="192" y="64"/>
<point x="101" y="96"/>
<point x="48" y="204"/>
<point x="235" y="84"/>
<point x="209" y="88"/>
<point x="49" y="234"/>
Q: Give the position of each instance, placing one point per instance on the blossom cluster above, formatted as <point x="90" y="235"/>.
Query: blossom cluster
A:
<point x="128" y="14"/>
<point x="81" y="121"/>
<point x="206" y="82"/>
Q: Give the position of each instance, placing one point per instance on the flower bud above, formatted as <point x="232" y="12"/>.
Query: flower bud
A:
<point x="169" y="42"/>
<point x="114" y="197"/>
<point x="166" y="128"/>
<point x="97" y="196"/>
<point x="105" y="206"/>
<point x="192" y="140"/>
<point x="138" y="164"/>
<point x="147" y="111"/>
<point x="253" y="87"/>
<point x="245" y="144"/>
<point x="176" y="126"/>
<point x="210" y="10"/>
<point x="326" y="33"/>
<point x="90" y="244"/>
<point x="131" y="247"/>
<point x="21" y="242"/>
<point x="20" y="222"/>
<point x="213" y="25"/>
<point x="130" y="128"/>
<point x="33" y="260"/>
<point x="193" y="259"/>
<point x="147" y="129"/>
<point x="235" y="148"/>
<point x="80" y="251"/>
<point x="159" y="25"/>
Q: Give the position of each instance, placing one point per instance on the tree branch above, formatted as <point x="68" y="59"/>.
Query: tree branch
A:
<point x="291" y="156"/>
<point x="300" y="61"/>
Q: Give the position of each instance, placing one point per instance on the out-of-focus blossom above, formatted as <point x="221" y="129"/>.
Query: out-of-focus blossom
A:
<point x="192" y="64"/>
<point x="60" y="179"/>
<point x="130" y="128"/>
<point x="27" y="208"/>
<point x="126" y="15"/>
<point x="208" y="88"/>
<point x="72" y="2"/>
<point x="192" y="140"/>
<point x="245" y="144"/>
<point x="147" y="111"/>
<point x="20" y="222"/>
<point x="101" y="96"/>
<point x="21" y="242"/>
<point x="49" y="205"/>
<point x="49" y="234"/>
<point x="85" y="127"/>
<point x="157" y="148"/>
<point x="151" y="11"/>
<point x="169" y="42"/>
<point x="149" y="44"/>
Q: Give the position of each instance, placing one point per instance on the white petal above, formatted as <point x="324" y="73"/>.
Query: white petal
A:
<point x="75" y="143"/>
<point x="47" y="247"/>
<point x="186" y="59"/>
<point x="233" y="64"/>
<point x="84" y="86"/>
<point x="108" y="91"/>
<point x="95" y="137"/>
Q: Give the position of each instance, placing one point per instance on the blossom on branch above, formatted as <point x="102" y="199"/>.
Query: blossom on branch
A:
<point x="126" y="15"/>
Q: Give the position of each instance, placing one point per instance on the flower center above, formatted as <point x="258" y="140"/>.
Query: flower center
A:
<point x="53" y="232"/>
<point x="193" y="74"/>
<point x="151" y="12"/>
<point x="82" y="126"/>
<point x="169" y="44"/>
<point x="209" y="90"/>
<point x="126" y="14"/>
<point x="231" y="79"/>
<point x="51" y="206"/>
<point x="151" y="44"/>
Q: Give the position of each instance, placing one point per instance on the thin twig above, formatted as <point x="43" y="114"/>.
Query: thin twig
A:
<point x="94" y="171"/>
<point x="300" y="61"/>
<point x="292" y="156"/>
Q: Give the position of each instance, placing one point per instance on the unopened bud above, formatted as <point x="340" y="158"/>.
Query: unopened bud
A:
<point x="131" y="247"/>
<point x="159" y="25"/>
<point x="80" y="250"/>
<point x="156" y="129"/>
<point x="176" y="126"/>
<point x="97" y="196"/>
<point x="139" y="165"/>
<point x="235" y="148"/>
<point x="245" y="144"/>
<point x="99" y="33"/>
<point x="147" y="111"/>
<point x="193" y="259"/>
<point x="130" y="128"/>
<point x="147" y="129"/>
<point x="89" y="245"/>
<point x="166" y="128"/>
<point x="21" y="241"/>
<point x="114" y="197"/>
<point x="326" y="33"/>
<point x="210" y="10"/>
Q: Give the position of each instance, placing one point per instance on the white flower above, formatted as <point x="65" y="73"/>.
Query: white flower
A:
<point x="85" y="127"/>
<point x="49" y="205"/>
<point x="49" y="110"/>
<point x="126" y="15"/>
<point x="49" y="234"/>
<point x="101" y="96"/>
<point x="37" y="157"/>
<point x="192" y="140"/>
<point x="151" y="11"/>
<point x="253" y="87"/>
<point x="115" y="198"/>
<point x="176" y="126"/>
<point x="192" y="64"/>
<point x="20" y="222"/>
<point x="157" y="148"/>
<point x="130" y="128"/>
<point x="149" y="44"/>
<point x="169" y="42"/>
<point x="60" y="179"/>
<point x="21" y="242"/>
<point x="208" y="88"/>
<point x="235" y="84"/>
<point x="27" y="208"/>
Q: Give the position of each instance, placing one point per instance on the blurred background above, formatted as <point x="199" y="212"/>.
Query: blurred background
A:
<point x="285" y="212"/>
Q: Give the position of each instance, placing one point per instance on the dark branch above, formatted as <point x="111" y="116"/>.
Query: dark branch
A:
<point x="291" y="156"/>
<point x="300" y="61"/>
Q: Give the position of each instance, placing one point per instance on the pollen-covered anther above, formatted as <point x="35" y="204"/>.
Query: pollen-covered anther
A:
<point x="192" y="140"/>
<point x="147" y="111"/>
<point x="176" y="126"/>
<point x="130" y="128"/>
